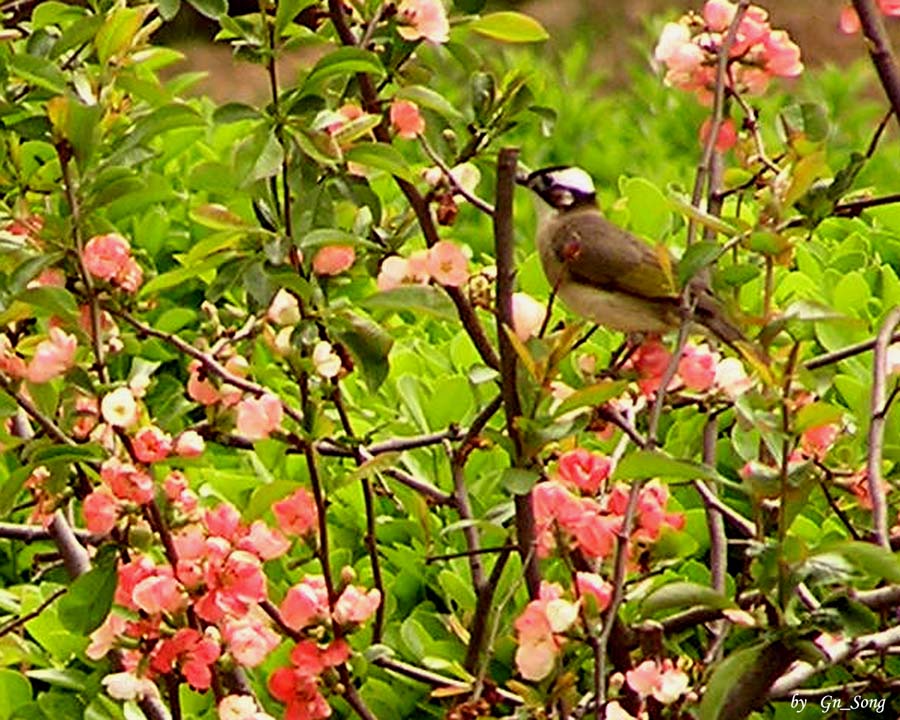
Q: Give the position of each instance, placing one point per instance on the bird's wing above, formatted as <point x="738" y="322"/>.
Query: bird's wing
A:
<point x="596" y="252"/>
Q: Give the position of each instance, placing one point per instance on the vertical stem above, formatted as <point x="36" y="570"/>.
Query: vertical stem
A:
<point x="879" y="410"/>
<point x="64" y="155"/>
<point x="504" y="251"/>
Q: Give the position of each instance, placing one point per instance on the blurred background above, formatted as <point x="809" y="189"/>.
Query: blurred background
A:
<point x="620" y="34"/>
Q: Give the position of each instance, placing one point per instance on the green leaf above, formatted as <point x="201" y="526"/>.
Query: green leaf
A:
<point x="235" y="112"/>
<point x="217" y="217"/>
<point x="817" y="414"/>
<point x="181" y="275"/>
<point x="68" y="454"/>
<point x="872" y="559"/>
<point x="85" y="606"/>
<point x="38" y="71"/>
<point x="61" y="677"/>
<point x="650" y="213"/>
<point x="413" y="298"/>
<point x="519" y="481"/>
<point x="592" y="395"/>
<point x="695" y="258"/>
<point x="332" y="236"/>
<point x="168" y="117"/>
<point x="117" y="32"/>
<point x="369" y="344"/>
<point x="15" y="691"/>
<point x="427" y="98"/>
<point x="645" y="464"/>
<point x="287" y="11"/>
<point x="740" y="682"/>
<point x="210" y="8"/>
<point x="344" y="61"/>
<point x="511" y="27"/>
<point x="54" y="300"/>
<point x="168" y="8"/>
<point x="682" y="204"/>
<point x="678" y="595"/>
<point x="415" y="637"/>
<point x="381" y="157"/>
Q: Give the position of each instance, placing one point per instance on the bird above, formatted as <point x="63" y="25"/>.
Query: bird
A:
<point x="606" y="274"/>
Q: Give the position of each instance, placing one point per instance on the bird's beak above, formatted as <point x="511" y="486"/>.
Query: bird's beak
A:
<point x="523" y="177"/>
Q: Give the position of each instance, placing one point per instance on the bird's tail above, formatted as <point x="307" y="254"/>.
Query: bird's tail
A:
<point x="712" y="316"/>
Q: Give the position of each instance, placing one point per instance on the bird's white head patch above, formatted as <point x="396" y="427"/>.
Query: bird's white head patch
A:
<point x="574" y="179"/>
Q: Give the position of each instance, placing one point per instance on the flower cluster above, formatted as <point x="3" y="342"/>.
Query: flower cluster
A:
<point x="699" y="370"/>
<point x="590" y="524"/>
<point x="689" y="50"/>
<point x="445" y="263"/>
<point x="108" y="257"/>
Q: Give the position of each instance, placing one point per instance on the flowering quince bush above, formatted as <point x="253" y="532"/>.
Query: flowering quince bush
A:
<point x="292" y="427"/>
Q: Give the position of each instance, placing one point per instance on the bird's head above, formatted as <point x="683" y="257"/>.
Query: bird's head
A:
<point x="562" y="187"/>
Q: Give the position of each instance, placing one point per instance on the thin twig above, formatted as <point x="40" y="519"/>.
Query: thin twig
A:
<point x="880" y="51"/>
<point x="845" y="353"/>
<point x="475" y="201"/>
<point x="879" y="407"/>
<point x="27" y="617"/>
<point x="46" y="423"/>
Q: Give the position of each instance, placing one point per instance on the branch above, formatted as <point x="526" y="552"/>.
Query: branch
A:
<point x="35" y="533"/>
<point x="847" y="352"/>
<point x="47" y="424"/>
<point x="703" y="169"/>
<point x="504" y="250"/>
<point x="77" y="563"/>
<point x="876" y="428"/>
<point x="837" y="655"/>
<point x="209" y="363"/>
<point x="880" y="51"/>
<point x="439" y="681"/>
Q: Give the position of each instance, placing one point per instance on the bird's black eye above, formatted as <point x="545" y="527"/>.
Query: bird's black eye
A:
<point x="560" y="197"/>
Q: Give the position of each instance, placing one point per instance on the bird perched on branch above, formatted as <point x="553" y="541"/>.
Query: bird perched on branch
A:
<point x="605" y="273"/>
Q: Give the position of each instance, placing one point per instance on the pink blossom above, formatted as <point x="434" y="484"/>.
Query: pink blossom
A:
<point x="240" y="707"/>
<point x="731" y="378"/>
<point x="158" y="593"/>
<point x="150" y="444"/>
<point x="101" y="510"/>
<point x="103" y="639"/>
<point x="536" y="629"/>
<point x="651" y="360"/>
<point x="393" y="273"/>
<point x="249" y="640"/>
<point x="423" y="19"/>
<point x="849" y="22"/>
<point x="719" y="14"/>
<point x="663" y="681"/>
<point x="264" y="542"/>
<point x="584" y="469"/>
<point x="105" y="256"/>
<point x="406" y="119"/>
<point x="233" y="586"/>
<point x="355" y="605"/>
<point x="595" y="586"/>
<point x="258" y="417"/>
<point x="130" y="277"/>
<point x="782" y="55"/>
<point x="53" y="357"/>
<point x="296" y="514"/>
<point x="527" y="315"/>
<point x="697" y="368"/>
<point x="727" y="137"/>
<point x="189" y="651"/>
<point x="333" y="259"/>
<point x="298" y="686"/>
<point x="816" y="441"/>
<point x="126" y="481"/>
<point x="199" y="387"/>
<point x="447" y="264"/>
<point x="305" y="603"/>
<point x="614" y="711"/>
<point x="189" y="444"/>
